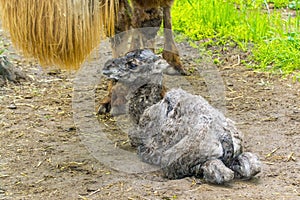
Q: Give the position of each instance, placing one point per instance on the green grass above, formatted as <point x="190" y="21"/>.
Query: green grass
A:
<point x="274" y="35"/>
<point x="279" y="54"/>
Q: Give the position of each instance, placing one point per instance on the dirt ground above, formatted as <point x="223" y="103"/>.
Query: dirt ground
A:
<point x="42" y="155"/>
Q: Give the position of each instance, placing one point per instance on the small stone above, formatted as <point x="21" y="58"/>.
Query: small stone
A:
<point x="12" y="106"/>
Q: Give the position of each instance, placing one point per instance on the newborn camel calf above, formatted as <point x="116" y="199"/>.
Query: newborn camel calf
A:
<point x="186" y="136"/>
<point x="176" y="130"/>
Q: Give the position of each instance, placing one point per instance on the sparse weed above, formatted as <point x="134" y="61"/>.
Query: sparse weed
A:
<point x="2" y="47"/>
<point x="279" y="54"/>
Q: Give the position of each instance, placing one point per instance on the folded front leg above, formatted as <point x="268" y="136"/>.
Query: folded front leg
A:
<point x="215" y="171"/>
<point x="246" y="165"/>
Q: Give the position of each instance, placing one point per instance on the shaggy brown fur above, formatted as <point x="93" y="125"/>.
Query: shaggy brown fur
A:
<point x="64" y="32"/>
<point x="146" y="4"/>
<point x="58" y="32"/>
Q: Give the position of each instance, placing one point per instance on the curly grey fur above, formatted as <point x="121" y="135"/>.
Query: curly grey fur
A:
<point x="139" y="77"/>
<point x="181" y="133"/>
<point x="186" y="136"/>
<point x="136" y="68"/>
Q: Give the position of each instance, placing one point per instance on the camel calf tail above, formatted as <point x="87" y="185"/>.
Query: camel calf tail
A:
<point x="58" y="32"/>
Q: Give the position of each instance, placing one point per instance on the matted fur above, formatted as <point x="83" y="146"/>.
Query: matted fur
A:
<point x="153" y="3"/>
<point x="58" y="32"/>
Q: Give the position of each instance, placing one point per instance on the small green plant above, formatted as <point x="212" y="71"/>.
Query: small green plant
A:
<point x="159" y="50"/>
<point x="216" y="61"/>
<point x="2" y="48"/>
<point x="295" y="5"/>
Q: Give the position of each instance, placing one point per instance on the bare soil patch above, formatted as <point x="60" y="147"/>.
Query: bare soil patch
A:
<point x="42" y="157"/>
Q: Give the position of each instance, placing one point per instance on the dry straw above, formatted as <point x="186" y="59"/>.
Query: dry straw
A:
<point x="58" y="32"/>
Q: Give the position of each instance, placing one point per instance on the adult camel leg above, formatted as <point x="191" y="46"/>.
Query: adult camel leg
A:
<point x="170" y="53"/>
<point x="146" y="22"/>
<point x="119" y="44"/>
<point x="119" y="41"/>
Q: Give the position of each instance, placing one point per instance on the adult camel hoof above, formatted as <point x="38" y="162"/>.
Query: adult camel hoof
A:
<point x="174" y="60"/>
